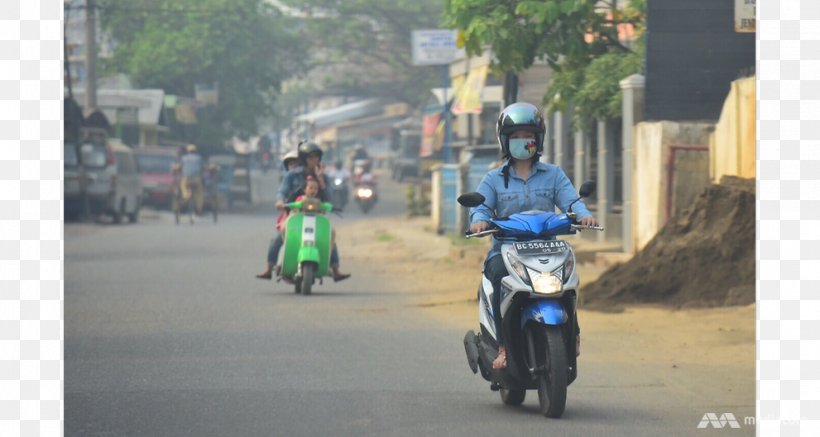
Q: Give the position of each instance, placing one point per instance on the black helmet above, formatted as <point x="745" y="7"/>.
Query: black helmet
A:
<point x="308" y="148"/>
<point x="520" y="116"/>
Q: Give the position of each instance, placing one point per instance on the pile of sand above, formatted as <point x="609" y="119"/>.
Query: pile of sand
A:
<point x="703" y="257"/>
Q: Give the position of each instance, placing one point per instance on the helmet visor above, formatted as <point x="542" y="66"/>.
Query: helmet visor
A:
<point x="517" y="115"/>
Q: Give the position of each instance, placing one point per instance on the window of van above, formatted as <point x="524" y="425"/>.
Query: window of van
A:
<point x="155" y="163"/>
<point x="93" y="154"/>
<point x="70" y="155"/>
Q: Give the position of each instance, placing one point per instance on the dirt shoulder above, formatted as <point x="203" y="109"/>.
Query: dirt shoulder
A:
<point x="441" y="274"/>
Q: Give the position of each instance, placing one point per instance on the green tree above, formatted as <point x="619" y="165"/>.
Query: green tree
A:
<point x="247" y="47"/>
<point x="363" y="47"/>
<point x="578" y="38"/>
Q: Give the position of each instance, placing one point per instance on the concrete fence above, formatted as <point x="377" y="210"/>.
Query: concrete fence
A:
<point x="671" y="167"/>
<point x="732" y="145"/>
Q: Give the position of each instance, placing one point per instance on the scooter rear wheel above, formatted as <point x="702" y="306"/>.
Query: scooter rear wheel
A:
<point x="512" y="397"/>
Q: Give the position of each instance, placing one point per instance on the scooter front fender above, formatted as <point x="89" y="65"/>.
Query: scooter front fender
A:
<point x="308" y="253"/>
<point x="545" y="312"/>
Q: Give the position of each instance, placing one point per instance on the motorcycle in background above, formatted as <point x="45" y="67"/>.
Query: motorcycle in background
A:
<point x="538" y="303"/>
<point x="339" y="192"/>
<point x="365" y="192"/>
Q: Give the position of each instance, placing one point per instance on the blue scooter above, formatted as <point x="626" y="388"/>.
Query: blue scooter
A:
<point x="538" y="303"/>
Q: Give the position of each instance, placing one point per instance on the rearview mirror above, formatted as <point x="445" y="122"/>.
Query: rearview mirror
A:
<point x="587" y="188"/>
<point x="471" y="199"/>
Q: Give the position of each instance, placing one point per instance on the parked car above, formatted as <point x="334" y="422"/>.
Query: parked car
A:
<point x="155" y="164"/>
<point x="113" y="183"/>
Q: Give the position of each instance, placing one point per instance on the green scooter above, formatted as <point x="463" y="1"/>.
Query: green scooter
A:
<point x="307" y="245"/>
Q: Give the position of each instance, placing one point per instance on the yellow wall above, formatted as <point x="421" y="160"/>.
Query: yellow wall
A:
<point x="650" y="175"/>
<point x="732" y="144"/>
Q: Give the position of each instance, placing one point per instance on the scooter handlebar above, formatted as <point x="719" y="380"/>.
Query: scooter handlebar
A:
<point x="582" y="227"/>
<point x="481" y="234"/>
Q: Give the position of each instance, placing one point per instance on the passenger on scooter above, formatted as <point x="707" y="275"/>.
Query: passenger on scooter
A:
<point x="290" y="161"/>
<point x="521" y="184"/>
<point x="309" y="192"/>
<point x="310" y="157"/>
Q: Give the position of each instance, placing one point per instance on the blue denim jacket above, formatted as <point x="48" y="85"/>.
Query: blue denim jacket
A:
<point x="547" y="187"/>
<point x="293" y="181"/>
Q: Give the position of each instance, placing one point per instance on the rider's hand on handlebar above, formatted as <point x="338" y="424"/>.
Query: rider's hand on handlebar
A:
<point x="588" y="221"/>
<point x="479" y="227"/>
<point x="280" y="205"/>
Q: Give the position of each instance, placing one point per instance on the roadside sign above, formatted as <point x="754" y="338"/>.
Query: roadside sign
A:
<point x="434" y="46"/>
<point x="745" y="15"/>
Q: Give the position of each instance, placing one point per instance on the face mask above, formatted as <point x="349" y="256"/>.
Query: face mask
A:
<point x="522" y="148"/>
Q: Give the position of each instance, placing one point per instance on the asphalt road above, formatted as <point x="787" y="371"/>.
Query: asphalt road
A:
<point x="167" y="333"/>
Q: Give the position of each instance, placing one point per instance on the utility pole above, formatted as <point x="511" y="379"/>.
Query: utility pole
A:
<point x="90" y="56"/>
<point x="510" y="88"/>
<point x="74" y="131"/>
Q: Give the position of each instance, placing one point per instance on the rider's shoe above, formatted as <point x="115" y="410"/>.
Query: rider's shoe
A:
<point x="267" y="274"/>
<point x="340" y="276"/>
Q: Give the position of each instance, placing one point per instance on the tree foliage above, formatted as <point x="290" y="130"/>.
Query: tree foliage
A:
<point x="363" y="47"/>
<point x="578" y="38"/>
<point x="247" y="47"/>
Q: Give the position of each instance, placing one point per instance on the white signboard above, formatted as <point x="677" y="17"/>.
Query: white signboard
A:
<point x="434" y="47"/>
<point x="745" y="15"/>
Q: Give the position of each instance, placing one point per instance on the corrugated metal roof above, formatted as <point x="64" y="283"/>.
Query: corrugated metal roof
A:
<point x="346" y="112"/>
<point x="148" y="103"/>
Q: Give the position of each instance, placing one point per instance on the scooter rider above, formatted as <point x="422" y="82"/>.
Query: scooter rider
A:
<point x="191" y="166"/>
<point x="521" y="184"/>
<point x="340" y="172"/>
<point x="360" y="154"/>
<point x="340" y="177"/>
<point x="310" y="157"/>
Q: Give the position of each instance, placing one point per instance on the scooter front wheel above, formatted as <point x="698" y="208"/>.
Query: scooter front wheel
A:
<point x="308" y="270"/>
<point x="552" y="382"/>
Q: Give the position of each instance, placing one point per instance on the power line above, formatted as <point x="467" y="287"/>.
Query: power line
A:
<point x="150" y="9"/>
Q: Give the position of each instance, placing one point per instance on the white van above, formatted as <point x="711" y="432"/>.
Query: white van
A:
<point x="113" y="182"/>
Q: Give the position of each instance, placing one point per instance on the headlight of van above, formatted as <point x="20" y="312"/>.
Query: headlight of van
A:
<point x="518" y="268"/>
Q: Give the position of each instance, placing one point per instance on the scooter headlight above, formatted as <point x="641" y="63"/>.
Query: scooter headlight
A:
<point x="518" y="268"/>
<point x="569" y="267"/>
<point x="545" y="283"/>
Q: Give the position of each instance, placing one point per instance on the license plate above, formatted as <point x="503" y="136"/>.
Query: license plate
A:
<point x="540" y="247"/>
